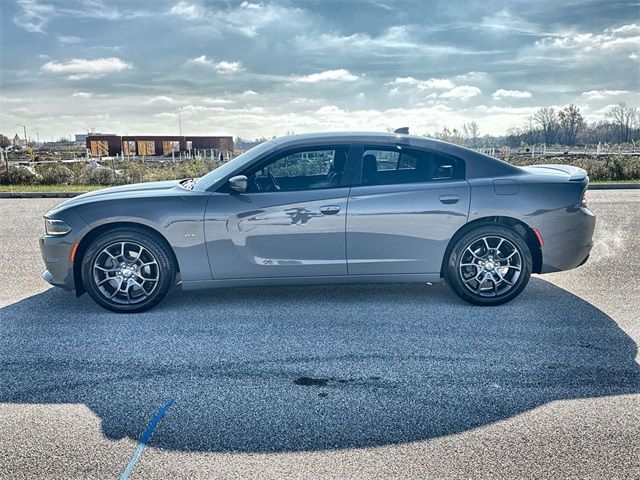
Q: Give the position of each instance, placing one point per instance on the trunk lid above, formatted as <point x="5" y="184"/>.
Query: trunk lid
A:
<point x="573" y="174"/>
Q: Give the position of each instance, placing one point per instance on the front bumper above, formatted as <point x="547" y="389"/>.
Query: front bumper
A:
<point x="568" y="240"/>
<point x="59" y="268"/>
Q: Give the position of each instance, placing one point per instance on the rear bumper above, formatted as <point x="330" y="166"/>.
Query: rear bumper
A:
<point x="568" y="240"/>
<point x="59" y="269"/>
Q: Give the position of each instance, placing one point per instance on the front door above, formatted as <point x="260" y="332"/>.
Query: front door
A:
<point x="403" y="210"/>
<point x="289" y="223"/>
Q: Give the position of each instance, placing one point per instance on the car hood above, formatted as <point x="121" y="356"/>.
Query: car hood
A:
<point x="135" y="190"/>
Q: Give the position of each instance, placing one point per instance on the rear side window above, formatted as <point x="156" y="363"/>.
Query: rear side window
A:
<point x="393" y="166"/>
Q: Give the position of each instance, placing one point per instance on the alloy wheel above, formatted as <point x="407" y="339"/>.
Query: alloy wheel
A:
<point x="490" y="266"/>
<point x="126" y="272"/>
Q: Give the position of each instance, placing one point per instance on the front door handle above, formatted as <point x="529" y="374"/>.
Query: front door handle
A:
<point x="330" y="209"/>
<point x="449" y="199"/>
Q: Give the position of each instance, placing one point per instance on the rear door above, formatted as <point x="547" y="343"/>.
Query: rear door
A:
<point x="404" y="207"/>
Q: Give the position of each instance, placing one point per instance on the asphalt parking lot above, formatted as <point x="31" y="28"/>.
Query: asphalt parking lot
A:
<point x="376" y="381"/>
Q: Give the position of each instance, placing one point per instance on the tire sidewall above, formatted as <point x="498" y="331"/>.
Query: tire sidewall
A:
<point x="452" y="274"/>
<point x="165" y="264"/>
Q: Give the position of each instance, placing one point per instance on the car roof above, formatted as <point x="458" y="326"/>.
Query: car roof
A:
<point x="355" y="136"/>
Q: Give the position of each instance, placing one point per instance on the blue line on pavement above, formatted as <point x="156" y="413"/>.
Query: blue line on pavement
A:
<point x="145" y="439"/>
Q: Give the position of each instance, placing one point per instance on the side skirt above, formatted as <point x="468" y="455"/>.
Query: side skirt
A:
<point x="321" y="280"/>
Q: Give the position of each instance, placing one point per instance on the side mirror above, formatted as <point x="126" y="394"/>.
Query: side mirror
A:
<point x="238" y="183"/>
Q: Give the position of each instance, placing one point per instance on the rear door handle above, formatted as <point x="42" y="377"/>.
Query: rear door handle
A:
<point x="449" y="199"/>
<point x="330" y="209"/>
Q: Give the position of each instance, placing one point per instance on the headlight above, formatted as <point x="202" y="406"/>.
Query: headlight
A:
<point x="56" y="227"/>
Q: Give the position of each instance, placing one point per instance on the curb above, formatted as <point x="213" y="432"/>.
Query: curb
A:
<point x="39" y="194"/>
<point x="592" y="186"/>
<point x="613" y="186"/>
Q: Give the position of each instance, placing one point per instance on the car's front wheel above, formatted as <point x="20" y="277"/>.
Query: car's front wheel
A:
<point x="489" y="265"/>
<point x="127" y="270"/>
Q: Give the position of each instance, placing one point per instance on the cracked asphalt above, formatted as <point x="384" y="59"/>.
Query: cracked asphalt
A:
<point x="357" y="381"/>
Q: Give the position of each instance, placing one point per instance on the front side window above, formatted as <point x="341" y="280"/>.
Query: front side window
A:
<point x="394" y="166"/>
<point x="300" y="170"/>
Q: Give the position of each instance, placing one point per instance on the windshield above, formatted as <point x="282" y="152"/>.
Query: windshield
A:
<point x="225" y="169"/>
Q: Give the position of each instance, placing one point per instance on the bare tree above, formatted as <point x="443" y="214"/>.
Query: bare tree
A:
<point x="471" y="133"/>
<point x="547" y="120"/>
<point x="456" y="137"/>
<point x="624" y="118"/>
<point x="571" y="122"/>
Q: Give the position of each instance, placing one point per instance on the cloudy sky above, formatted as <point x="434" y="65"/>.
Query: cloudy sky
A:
<point x="254" y="69"/>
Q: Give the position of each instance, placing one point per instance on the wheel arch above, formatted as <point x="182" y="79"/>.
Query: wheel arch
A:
<point x="95" y="232"/>
<point x="518" y="226"/>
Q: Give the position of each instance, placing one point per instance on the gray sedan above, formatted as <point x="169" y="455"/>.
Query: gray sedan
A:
<point x="325" y="208"/>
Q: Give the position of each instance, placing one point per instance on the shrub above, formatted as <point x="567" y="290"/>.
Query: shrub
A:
<point x="97" y="175"/>
<point x="54" y="174"/>
<point x="20" y="175"/>
<point x="134" y="172"/>
<point x="598" y="168"/>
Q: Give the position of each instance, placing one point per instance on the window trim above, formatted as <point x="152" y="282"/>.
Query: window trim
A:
<point x="359" y="149"/>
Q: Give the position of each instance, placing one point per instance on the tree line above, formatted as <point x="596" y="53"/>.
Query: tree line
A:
<point x="566" y="127"/>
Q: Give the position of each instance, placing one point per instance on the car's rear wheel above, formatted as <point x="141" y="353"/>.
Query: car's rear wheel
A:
<point x="489" y="265"/>
<point x="127" y="270"/>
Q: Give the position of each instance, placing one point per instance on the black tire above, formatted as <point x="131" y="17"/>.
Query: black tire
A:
<point x="142" y="290"/>
<point x="471" y="248"/>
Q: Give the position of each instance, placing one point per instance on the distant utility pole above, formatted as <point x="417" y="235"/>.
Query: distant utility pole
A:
<point x="179" y="124"/>
<point x="25" y="133"/>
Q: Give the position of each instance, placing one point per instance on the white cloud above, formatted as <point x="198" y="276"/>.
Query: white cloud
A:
<point x="462" y="92"/>
<point x="602" y="94"/>
<point x="228" y="67"/>
<point x="220" y="67"/>
<point x="246" y="19"/>
<point x="520" y="111"/>
<point x="202" y="60"/>
<point x="216" y="101"/>
<point x="472" y="76"/>
<point x="171" y="115"/>
<point x="584" y="48"/>
<point x="69" y="40"/>
<point x="80" y="68"/>
<point x="430" y="84"/>
<point x="4" y="99"/>
<point x="506" y="22"/>
<point x="161" y="99"/>
<point x="339" y="75"/>
<point x="33" y="16"/>
<point x="189" y="11"/>
<point x="395" y="40"/>
<point x="82" y="94"/>
<point x="502" y="93"/>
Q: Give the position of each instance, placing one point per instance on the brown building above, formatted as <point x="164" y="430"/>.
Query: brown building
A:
<point x="154" y="145"/>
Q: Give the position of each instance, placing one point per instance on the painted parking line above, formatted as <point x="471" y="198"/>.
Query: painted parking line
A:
<point x="145" y="439"/>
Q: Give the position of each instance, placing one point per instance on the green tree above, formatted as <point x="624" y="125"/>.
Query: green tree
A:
<point x="4" y="141"/>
